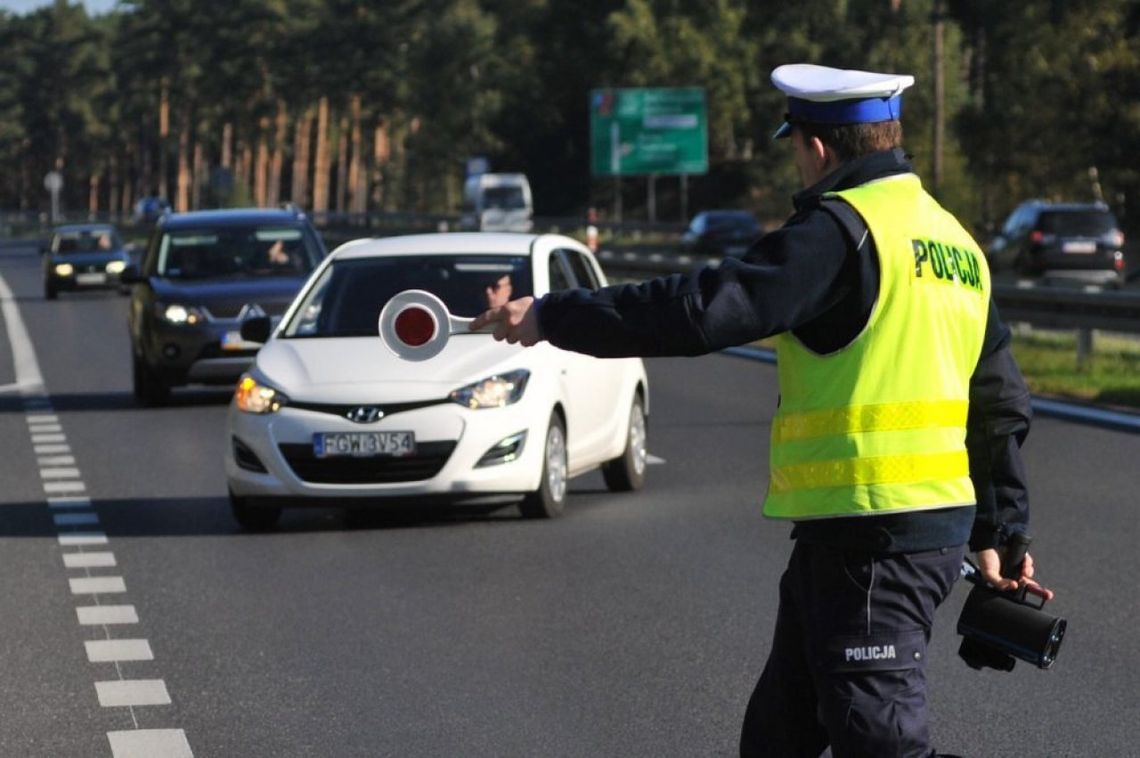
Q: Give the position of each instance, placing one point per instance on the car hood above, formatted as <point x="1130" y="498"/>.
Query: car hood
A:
<point x="350" y="369"/>
<point x="226" y="297"/>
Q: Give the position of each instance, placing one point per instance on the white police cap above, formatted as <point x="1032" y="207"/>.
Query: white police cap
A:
<point x="825" y="95"/>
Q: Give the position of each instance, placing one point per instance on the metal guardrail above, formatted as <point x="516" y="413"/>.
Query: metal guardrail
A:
<point x="1054" y="307"/>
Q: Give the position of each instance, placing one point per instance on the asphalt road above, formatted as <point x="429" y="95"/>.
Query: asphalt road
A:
<point x="635" y="625"/>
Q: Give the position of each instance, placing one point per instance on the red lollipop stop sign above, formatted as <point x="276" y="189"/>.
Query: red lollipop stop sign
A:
<point x="415" y="325"/>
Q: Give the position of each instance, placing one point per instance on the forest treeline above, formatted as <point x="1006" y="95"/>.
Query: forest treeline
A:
<point x="353" y="106"/>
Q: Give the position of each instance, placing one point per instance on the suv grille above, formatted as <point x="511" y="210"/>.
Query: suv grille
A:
<point x="426" y="463"/>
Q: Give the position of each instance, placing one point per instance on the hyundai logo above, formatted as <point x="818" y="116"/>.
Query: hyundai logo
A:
<point x="365" y="414"/>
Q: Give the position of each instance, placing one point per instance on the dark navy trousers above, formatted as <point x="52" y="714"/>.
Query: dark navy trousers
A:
<point x="848" y="660"/>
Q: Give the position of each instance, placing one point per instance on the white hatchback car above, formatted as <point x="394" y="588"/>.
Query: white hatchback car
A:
<point x="328" y="415"/>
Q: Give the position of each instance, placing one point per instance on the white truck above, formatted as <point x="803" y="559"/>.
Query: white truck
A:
<point x="497" y="203"/>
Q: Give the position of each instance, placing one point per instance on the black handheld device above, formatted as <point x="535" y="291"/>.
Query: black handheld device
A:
<point x="998" y="628"/>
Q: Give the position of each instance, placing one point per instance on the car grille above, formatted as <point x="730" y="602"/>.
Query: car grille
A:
<point x="426" y="463"/>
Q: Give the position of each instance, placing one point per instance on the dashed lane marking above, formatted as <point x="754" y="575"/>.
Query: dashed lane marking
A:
<point x="109" y="651"/>
<point x="106" y="615"/>
<point x="132" y="692"/>
<point x="89" y="560"/>
<point x="75" y="539"/>
<point x="97" y="585"/>
<point x="148" y="743"/>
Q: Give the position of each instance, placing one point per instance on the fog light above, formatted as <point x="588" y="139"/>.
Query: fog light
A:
<point x="171" y="351"/>
<point x="506" y="450"/>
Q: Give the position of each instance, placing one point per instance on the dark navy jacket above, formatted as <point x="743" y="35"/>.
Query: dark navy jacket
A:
<point x="812" y="278"/>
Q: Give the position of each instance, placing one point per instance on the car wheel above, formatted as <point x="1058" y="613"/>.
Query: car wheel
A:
<point x="49" y="291"/>
<point x="149" y="389"/>
<point x="253" y="517"/>
<point x="549" y="499"/>
<point x="627" y="473"/>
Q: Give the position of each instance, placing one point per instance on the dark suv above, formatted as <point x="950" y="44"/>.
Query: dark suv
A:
<point x="1079" y="241"/>
<point x="202" y="275"/>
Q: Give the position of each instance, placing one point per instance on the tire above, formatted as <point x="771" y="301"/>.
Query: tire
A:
<point x="149" y="389"/>
<point x="626" y="473"/>
<point x="50" y="291"/>
<point x="549" y="500"/>
<point x="252" y="517"/>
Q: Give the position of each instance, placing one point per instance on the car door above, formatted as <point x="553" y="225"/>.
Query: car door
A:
<point x="594" y="385"/>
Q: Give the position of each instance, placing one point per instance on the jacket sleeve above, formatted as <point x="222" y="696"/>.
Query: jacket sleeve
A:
<point x="788" y="277"/>
<point x="998" y="421"/>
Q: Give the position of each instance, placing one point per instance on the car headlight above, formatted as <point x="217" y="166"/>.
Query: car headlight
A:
<point x="494" y="391"/>
<point x="64" y="269"/>
<point x="115" y="267"/>
<point x="179" y="314"/>
<point x="254" y="397"/>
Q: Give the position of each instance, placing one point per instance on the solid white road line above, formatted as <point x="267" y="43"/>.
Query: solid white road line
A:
<point x="132" y="692"/>
<point x="109" y="651"/>
<point x="23" y="354"/>
<point x="104" y="615"/>
<point x="74" y="539"/>
<point x="97" y="585"/>
<point x="150" y="743"/>
<point x="88" y="560"/>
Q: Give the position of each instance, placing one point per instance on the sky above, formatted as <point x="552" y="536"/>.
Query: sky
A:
<point x="94" y="7"/>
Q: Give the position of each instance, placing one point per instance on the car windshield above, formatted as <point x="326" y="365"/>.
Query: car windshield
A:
<point x="1077" y="223"/>
<point x="347" y="299"/>
<point x="87" y="241"/>
<point x="235" y="251"/>
<point x="503" y="198"/>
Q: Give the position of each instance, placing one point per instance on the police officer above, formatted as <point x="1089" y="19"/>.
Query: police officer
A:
<point x="896" y="442"/>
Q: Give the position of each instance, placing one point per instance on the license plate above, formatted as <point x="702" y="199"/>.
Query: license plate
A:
<point x="1079" y="247"/>
<point x="91" y="278"/>
<point x="363" y="444"/>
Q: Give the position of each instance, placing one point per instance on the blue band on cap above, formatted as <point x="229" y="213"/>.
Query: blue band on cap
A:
<point x="864" y="111"/>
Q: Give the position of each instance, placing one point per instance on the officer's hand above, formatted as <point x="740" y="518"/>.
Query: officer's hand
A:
<point x="514" y="322"/>
<point x="989" y="565"/>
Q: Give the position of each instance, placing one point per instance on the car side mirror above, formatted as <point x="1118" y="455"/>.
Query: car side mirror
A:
<point x="131" y="274"/>
<point x="997" y="243"/>
<point x="256" y="329"/>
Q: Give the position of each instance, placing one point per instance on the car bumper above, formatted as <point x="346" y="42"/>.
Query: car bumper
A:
<point x="83" y="280"/>
<point x="450" y="443"/>
<point x="181" y="354"/>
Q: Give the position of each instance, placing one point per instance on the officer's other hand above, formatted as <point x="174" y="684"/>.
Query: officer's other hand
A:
<point x="989" y="565"/>
<point x="514" y="322"/>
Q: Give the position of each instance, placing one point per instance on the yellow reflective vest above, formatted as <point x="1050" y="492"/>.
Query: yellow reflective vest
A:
<point x="879" y="426"/>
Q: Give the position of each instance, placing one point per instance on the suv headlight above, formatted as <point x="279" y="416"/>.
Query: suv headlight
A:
<point x="494" y="391"/>
<point x="64" y="269"/>
<point x="175" y="313"/>
<point x="253" y="397"/>
<point x="115" y="267"/>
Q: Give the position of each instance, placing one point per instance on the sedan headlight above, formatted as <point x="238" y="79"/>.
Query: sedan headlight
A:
<point x="254" y="397"/>
<point x="64" y="269"/>
<point x="116" y="267"/>
<point x="179" y="314"/>
<point x="494" y="391"/>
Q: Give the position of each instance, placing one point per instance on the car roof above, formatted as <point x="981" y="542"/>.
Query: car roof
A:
<point x="1047" y="205"/>
<point x="230" y="217"/>
<point x="443" y="243"/>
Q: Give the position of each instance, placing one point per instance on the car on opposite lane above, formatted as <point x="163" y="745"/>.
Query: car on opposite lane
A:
<point x="83" y="256"/>
<point x="720" y="233"/>
<point x="1075" y="241"/>
<point x="203" y="274"/>
<point x="328" y="415"/>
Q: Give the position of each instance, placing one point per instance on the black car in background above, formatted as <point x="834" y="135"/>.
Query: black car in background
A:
<point x="720" y="233"/>
<point x="203" y="274"/>
<point x="82" y="256"/>
<point x="1078" y="241"/>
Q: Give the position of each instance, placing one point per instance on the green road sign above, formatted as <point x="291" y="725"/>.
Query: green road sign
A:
<point x="648" y="131"/>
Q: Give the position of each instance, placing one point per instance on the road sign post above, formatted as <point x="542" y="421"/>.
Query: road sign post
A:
<point x="53" y="183"/>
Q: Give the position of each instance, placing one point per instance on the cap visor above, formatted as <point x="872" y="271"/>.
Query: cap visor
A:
<point x="784" y="131"/>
